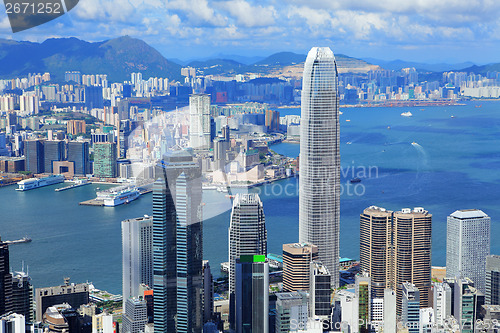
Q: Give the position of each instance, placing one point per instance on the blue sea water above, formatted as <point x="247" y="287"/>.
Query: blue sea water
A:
<point x="454" y="165"/>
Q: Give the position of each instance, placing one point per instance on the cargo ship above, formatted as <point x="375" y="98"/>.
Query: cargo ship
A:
<point x="32" y="183"/>
<point x="116" y="197"/>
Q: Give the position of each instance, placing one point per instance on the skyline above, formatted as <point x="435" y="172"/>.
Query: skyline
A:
<point x="387" y="30"/>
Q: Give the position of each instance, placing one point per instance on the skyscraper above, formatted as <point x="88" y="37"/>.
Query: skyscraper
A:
<point x="5" y="280"/>
<point x="247" y="231"/>
<point x="363" y="294"/>
<point x="467" y="245"/>
<point x="177" y="245"/>
<point x="137" y="255"/>
<point x="53" y="152"/>
<point x="411" y="307"/>
<point x="395" y="247"/>
<point x="493" y="280"/>
<point x="199" y="121"/>
<point x="319" y="196"/>
<point x="104" y="160"/>
<point x="135" y="315"/>
<point x="320" y="290"/>
<point x="251" y="312"/>
<point x="297" y="258"/>
<point x="33" y="150"/>
<point x="291" y="311"/>
<point x="22" y="295"/>
<point x="78" y="153"/>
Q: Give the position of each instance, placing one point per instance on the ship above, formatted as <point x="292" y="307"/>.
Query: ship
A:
<point x="116" y="197"/>
<point x="355" y="180"/>
<point x="406" y="114"/>
<point x="32" y="183"/>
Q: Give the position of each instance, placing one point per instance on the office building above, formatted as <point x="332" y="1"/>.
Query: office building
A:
<point x="13" y="323"/>
<point x="53" y="152"/>
<point x="320" y="290"/>
<point x="75" y="127"/>
<point x="178" y="245"/>
<point x="199" y="121"/>
<point x="137" y="255"/>
<point x="291" y="311"/>
<point x="78" y="153"/>
<point x="71" y="293"/>
<point x="273" y="120"/>
<point x="349" y="310"/>
<point x="297" y="258"/>
<point x="103" y="323"/>
<point x="442" y="302"/>
<point x="247" y="231"/>
<point x="251" y="311"/>
<point x="390" y="318"/>
<point x="33" y="150"/>
<point x="208" y="292"/>
<point x="22" y="295"/>
<point x="493" y="280"/>
<point x="410" y="310"/>
<point x="376" y="314"/>
<point x="395" y="247"/>
<point x="135" y="315"/>
<point x="93" y="97"/>
<point x="376" y="248"/>
<point x="467" y="302"/>
<point x="104" y="160"/>
<point x="5" y="280"/>
<point x="427" y="320"/>
<point x="363" y="295"/>
<point x="319" y="186"/>
<point x="467" y="245"/>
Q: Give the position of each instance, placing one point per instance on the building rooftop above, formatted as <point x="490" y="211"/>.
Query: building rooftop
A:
<point x="468" y="214"/>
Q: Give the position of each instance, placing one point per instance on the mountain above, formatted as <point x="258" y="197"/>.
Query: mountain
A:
<point x="282" y="59"/>
<point x="420" y="66"/>
<point x="495" y="67"/>
<point x="116" y="57"/>
<point x="218" y="66"/>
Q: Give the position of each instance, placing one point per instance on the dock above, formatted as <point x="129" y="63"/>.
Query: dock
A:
<point x="70" y="187"/>
<point x="92" y="202"/>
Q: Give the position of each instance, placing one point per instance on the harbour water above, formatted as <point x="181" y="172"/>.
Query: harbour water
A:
<point x="453" y="164"/>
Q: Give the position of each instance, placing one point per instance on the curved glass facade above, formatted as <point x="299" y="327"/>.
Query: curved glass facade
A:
<point x="319" y="198"/>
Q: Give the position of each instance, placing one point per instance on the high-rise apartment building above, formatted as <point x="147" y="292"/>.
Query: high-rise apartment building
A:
<point x="297" y="258"/>
<point x="199" y="121"/>
<point x="33" y="150"/>
<point x="104" y="160"/>
<point x="75" y="127"/>
<point x="22" y="295"/>
<point x="5" y="280"/>
<point x="53" y="152"/>
<point x="319" y="196"/>
<point x="410" y="310"/>
<point x="178" y="245"/>
<point x="395" y="247"/>
<point x="137" y="255"/>
<point x="251" y="311"/>
<point x="467" y="245"/>
<point x="492" y="280"/>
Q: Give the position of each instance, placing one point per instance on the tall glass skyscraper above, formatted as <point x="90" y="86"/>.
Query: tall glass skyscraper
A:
<point x="319" y="196"/>
<point x="467" y="245"/>
<point x="177" y="245"/>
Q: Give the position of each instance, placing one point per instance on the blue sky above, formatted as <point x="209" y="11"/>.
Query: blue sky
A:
<point x="417" y="30"/>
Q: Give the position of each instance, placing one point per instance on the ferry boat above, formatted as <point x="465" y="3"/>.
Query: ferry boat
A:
<point x="116" y="198"/>
<point x="355" y="180"/>
<point x="31" y="183"/>
<point x="407" y="114"/>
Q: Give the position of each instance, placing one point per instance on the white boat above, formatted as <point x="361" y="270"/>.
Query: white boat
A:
<point x="31" y="183"/>
<point x="222" y="189"/>
<point x="118" y="197"/>
<point x="406" y="114"/>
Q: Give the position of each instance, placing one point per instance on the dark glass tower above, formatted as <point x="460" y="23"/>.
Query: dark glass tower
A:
<point x="178" y="245"/>
<point x="5" y="280"/>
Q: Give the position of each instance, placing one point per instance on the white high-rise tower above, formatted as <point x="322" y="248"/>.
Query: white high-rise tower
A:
<point x="319" y="198"/>
<point x="199" y="121"/>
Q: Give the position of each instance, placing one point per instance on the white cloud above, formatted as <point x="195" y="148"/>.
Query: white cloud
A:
<point x="248" y="15"/>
